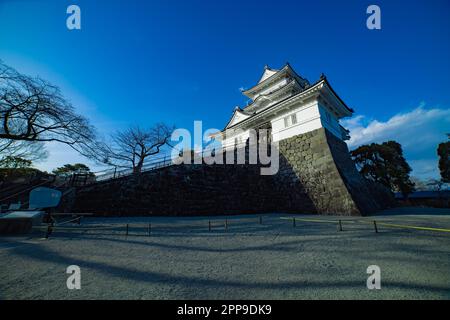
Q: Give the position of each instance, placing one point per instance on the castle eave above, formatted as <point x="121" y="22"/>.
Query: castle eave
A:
<point x="320" y="88"/>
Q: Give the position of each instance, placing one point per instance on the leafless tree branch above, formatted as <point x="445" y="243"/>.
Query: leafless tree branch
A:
<point x="131" y="147"/>
<point x="33" y="110"/>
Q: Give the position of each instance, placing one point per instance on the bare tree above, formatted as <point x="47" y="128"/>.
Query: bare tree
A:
<point x="131" y="147"/>
<point x="33" y="110"/>
<point x="33" y="151"/>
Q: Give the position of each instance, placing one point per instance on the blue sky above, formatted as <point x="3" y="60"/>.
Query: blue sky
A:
<point x="141" y="62"/>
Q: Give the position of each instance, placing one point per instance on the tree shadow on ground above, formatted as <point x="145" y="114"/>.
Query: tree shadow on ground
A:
<point x="39" y="253"/>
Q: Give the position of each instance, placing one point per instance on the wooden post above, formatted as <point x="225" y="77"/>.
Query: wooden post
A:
<point x="209" y="225"/>
<point x="127" y="231"/>
<point x="340" y="225"/>
<point x="47" y="234"/>
<point x="49" y="230"/>
<point x="293" y="222"/>
<point x="226" y="224"/>
<point x="375" y="226"/>
<point x="149" y="229"/>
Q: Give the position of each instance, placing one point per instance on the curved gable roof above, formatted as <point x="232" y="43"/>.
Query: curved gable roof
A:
<point x="238" y="116"/>
<point x="268" y="72"/>
<point x="271" y="75"/>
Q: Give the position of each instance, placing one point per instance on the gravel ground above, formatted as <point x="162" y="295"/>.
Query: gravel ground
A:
<point x="182" y="259"/>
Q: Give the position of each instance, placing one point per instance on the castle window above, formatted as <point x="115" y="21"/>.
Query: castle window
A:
<point x="294" y="118"/>
<point x="290" y="120"/>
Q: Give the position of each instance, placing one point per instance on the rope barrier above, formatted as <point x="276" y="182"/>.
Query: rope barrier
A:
<point x="76" y="228"/>
<point x="312" y="220"/>
<point x="375" y="223"/>
<point x="50" y="228"/>
<point x="66" y="222"/>
<point x="148" y="226"/>
<point x="411" y="227"/>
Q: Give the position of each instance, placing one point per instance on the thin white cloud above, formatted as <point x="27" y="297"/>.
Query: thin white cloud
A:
<point x="419" y="131"/>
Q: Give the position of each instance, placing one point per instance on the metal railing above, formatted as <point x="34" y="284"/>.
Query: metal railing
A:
<point x="115" y="173"/>
<point x="162" y="161"/>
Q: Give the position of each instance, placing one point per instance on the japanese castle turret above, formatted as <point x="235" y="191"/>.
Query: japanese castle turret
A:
<point x="287" y="105"/>
<point x="302" y="119"/>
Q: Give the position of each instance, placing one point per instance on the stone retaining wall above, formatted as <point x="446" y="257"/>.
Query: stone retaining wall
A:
<point x="316" y="175"/>
<point x="320" y="163"/>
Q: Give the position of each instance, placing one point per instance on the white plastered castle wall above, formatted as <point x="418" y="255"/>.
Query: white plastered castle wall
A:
<point x="310" y="116"/>
<point x="308" y="119"/>
<point x="330" y="121"/>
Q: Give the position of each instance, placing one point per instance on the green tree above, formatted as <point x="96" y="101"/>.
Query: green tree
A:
<point x="69" y="169"/>
<point x="12" y="167"/>
<point x="384" y="163"/>
<point x="443" y="152"/>
<point x="10" y="162"/>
